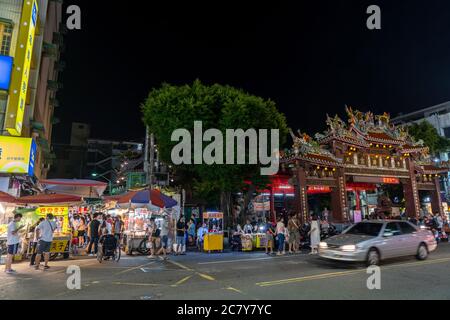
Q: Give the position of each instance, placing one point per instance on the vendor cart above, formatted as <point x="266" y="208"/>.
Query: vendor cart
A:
<point x="213" y="240"/>
<point x="62" y="235"/>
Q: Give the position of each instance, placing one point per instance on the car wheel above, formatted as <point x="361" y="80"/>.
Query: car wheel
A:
<point x="373" y="257"/>
<point x="422" y="252"/>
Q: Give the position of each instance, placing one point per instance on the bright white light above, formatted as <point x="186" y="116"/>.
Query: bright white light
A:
<point x="323" y="245"/>
<point x="349" y="248"/>
<point x="2" y="209"/>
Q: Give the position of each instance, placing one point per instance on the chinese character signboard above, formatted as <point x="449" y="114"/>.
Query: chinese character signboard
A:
<point x="17" y="155"/>
<point x="61" y="215"/>
<point x="21" y="72"/>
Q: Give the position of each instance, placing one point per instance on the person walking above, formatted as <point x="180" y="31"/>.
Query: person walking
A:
<point x="164" y="237"/>
<point x="314" y="235"/>
<point x="45" y="235"/>
<point x="270" y="234"/>
<point x="94" y="235"/>
<point x="35" y="242"/>
<point x="191" y="232"/>
<point x="12" y="241"/>
<point x="118" y="228"/>
<point x="200" y="236"/>
<point x="280" y="233"/>
<point x="81" y="231"/>
<point x="294" y="234"/>
<point x="181" y="230"/>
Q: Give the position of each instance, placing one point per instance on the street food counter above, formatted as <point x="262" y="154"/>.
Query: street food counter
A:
<point x="213" y="240"/>
<point x="253" y="241"/>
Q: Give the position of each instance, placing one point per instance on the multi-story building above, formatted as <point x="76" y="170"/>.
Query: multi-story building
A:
<point x="30" y="47"/>
<point x="439" y="117"/>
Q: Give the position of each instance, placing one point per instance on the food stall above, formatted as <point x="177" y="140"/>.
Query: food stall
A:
<point x="135" y="223"/>
<point x="141" y="206"/>
<point x="63" y="233"/>
<point x="213" y="240"/>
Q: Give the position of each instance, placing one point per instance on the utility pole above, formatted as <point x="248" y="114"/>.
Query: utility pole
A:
<point x="146" y="153"/>
<point x="152" y="159"/>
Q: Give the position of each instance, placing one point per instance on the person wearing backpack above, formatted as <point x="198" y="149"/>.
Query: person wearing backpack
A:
<point x="44" y="232"/>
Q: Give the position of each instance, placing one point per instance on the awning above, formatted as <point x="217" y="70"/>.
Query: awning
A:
<point x="48" y="199"/>
<point x="6" y="197"/>
<point x="78" y="187"/>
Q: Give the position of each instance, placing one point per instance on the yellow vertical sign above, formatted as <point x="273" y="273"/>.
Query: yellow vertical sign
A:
<point x="21" y="72"/>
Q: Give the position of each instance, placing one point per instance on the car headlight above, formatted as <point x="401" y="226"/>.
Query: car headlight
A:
<point x="349" y="248"/>
<point x="323" y="245"/>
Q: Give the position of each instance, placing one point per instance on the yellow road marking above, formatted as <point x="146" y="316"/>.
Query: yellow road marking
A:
<point x="345" y="273"/>
<point x="134" y="268"/>
<point x="136" y="284"/>
<point x="179" y="265"/>
<point x="234" y="289"/>
<point x="205" y="276"/>
<point x="182" y="281"/>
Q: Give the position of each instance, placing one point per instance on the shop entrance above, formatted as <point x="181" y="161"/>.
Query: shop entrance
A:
<point x="319" y="200"/>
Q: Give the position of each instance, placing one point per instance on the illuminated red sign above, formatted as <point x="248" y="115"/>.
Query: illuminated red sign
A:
<point x="318" y="189"/>
<point x="379" y="180"/>
<point x="391" y="180"/>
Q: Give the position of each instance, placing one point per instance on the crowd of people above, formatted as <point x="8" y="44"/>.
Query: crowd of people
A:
<point x="282" y="235"/>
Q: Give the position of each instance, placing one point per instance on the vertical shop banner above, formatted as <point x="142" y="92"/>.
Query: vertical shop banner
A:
<point x="21" y="70"/>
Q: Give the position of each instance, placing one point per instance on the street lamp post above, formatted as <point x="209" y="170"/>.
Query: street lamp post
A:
<point x="109" y="181"/>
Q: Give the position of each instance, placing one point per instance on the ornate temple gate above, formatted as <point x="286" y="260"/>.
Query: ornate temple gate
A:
<point x="367" y="149"/>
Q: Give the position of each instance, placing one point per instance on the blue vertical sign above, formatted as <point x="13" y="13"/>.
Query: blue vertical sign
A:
<point x="6" y="65"/>
<point x="32" y="158"/>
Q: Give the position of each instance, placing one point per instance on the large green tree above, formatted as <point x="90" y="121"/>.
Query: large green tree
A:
<point x="221" y="107"/>
<point x="431" y="138"/>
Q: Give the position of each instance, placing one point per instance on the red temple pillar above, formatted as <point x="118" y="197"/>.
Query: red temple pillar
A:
<point x="411" y="193"/>
<point x="436" y="202"/>
<point x="339" y="199"/>
<point x="301" y="197"/>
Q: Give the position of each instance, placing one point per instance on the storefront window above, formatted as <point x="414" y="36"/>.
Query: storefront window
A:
<point x="5" y="38"/>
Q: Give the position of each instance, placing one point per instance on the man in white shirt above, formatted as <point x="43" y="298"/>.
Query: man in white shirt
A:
<point x="44" y="232"/>
<point x="200" y="236"/>
<point x="12" y="242"/>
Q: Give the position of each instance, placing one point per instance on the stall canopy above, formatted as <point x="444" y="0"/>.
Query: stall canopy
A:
<point x="75" y="187"/>
<point x="147" y="197"/>
<point x="48" y="199"/>
<point x="6" y="197"/>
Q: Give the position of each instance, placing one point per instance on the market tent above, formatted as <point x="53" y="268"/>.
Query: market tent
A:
<point x="76" y="187"/>
<point x="6" y="197"/>
<point x="147" y="197"/>
<point x="48" y="199"/>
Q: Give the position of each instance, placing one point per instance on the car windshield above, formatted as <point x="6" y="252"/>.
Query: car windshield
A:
<point x="364" y="228"/>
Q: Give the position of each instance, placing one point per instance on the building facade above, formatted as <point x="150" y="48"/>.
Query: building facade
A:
<point x="366" y="166"/>
<point x="31" y="44"/>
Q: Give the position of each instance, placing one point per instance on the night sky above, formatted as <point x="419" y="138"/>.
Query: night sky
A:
<point x="310" y="57"/>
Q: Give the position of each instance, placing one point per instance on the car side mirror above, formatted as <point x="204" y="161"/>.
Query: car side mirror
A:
<point x="388" y="234"/>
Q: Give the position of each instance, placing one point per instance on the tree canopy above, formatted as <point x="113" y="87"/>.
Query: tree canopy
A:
<point x="431" y="138"/>
<point x="220" y="107"/>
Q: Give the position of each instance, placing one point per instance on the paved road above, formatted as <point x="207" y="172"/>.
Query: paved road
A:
<point x="233" y="276"/>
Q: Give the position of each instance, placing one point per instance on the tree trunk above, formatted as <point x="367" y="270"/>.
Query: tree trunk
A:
<point x="225" y="206"/>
